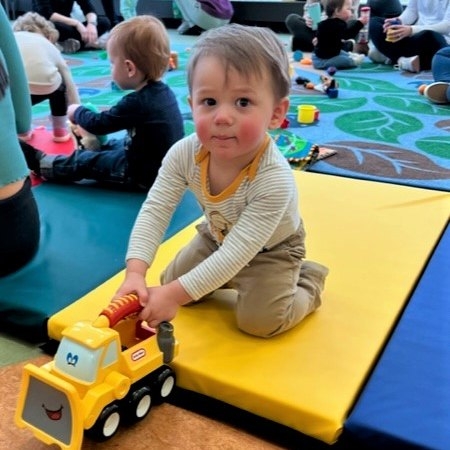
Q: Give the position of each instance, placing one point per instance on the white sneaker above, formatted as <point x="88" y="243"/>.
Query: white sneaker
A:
<point x="410" y="64"/>
<point x="438" y="92"/>
<point x="377" y="57"/>
<point x="358" y="58"/>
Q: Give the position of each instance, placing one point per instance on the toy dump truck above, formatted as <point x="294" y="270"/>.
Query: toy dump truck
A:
<point x="104" y="372"/>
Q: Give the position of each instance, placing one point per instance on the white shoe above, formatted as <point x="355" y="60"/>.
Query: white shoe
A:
<point x="410" y="64"/>
<point x="377" y="57"/>
<point x="438" y="92"/>
<point x="358" y="58"/>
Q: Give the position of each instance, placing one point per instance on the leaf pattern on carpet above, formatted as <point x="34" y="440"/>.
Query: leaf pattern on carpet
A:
<point x="380" y="126"/>
<point x="392" y="162"/>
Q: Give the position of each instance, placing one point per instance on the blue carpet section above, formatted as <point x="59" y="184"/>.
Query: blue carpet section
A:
<point x="380" y="125"/>
<point x="85" y="233"/>
<point x="406" y="403"/>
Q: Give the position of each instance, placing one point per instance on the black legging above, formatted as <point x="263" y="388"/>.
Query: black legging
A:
<point x="19" y="230"/>
<point x="424" y="44"/>
<point x="57" y="101"/>
<point x="302" y="35"/>
<point x="69" y="32"/>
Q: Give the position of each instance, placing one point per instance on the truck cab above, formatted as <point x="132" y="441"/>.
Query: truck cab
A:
<point x="103" y="372"/>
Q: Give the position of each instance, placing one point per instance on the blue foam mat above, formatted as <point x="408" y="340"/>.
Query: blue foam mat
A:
<point x="406" y="403"/>
<point x="84" y="235"/>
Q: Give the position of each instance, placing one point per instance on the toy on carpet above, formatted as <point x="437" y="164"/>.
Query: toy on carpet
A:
<point x="85" y="140"/>
<point x="327" y="85"/>
<point x="298" y="55"/>
<point x="331" y="71"/>
<point x="107" y="370"/>
<point x="307" y="114"/>
<point x="421" y="89"/>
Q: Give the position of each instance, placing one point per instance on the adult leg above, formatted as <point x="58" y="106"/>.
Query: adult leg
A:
<point x="193" y="15"/>
<point x="440" y="65"/>
<point x="67" y="32"/>
<point x="302" y="35"/>
<point x="19" y="229"/>
<point x="385" y="8"/>
<point x="425" y="44"/>
<point x="439" y="91"/>
<point x="110" y="12"/>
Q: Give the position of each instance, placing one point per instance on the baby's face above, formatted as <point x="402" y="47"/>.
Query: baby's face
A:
<point x="232" y="112"/>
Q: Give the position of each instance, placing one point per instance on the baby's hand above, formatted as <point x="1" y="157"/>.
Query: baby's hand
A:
<point x="134" y="284"/>
<point x="160" y="307"/>
<point x="364" y="19"/>
<point x="163" y="303"/>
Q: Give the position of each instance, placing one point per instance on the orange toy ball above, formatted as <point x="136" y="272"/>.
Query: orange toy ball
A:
<point x="306" y="61"/>
<point x="422" y="89"/>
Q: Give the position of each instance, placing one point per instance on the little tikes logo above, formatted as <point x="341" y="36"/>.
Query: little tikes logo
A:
<point x="138" y="354"/>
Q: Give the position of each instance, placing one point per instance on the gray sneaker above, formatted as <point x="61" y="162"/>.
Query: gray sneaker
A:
<point x="69" y="46"/>
<point x="438" y="92"/>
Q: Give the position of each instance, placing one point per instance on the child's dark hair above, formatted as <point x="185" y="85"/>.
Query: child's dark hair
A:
<point x="332" y="5"/>
<point x="4" y="80"/>
<point x="248" y="50"/>
<point x="144" y="40"/>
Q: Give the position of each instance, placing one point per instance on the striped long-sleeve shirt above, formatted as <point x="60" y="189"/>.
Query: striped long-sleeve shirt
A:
<point x="256" y="212"/>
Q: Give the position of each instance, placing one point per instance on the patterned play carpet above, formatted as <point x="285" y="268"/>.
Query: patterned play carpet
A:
<point x="380" y="126"/>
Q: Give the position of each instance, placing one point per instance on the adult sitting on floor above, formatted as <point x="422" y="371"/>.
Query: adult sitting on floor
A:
<point x="201" y="15"/>
<point x="415" y="36"/>
<point x="74" y="34"/>
<point x="301" y="26"/>
<point x="19" y="217"/>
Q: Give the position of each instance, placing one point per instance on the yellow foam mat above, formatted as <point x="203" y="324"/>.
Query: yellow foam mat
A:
<point x="376" y="239"/>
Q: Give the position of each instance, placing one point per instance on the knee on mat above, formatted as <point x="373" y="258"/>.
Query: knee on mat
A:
<point x="258" y="325"/>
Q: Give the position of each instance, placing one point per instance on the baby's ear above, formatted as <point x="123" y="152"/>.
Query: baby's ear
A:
<point x="279" y="113"/>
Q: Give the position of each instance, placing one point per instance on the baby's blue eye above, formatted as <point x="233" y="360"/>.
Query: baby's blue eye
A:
<point x="243" y="102"/>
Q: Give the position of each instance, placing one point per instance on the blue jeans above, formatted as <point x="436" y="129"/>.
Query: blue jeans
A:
<point x="108" y="165"/>
<point x="440" y="66"/>
<point x="341" y="61"/>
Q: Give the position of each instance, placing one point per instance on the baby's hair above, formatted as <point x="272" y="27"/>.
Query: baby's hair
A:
<point x="332" y="5"/>
<point x="249" y="50"/>
<point x="35" y="23"/>
<point x="144" y="41"/>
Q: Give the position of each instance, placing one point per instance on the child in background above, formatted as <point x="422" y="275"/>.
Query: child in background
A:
<point x="49" y="77"/>
<point x="252" y="239"/>
<point x="300" y="27"/>
<point x="139" y="53"/>
<point x="331" y="33"/>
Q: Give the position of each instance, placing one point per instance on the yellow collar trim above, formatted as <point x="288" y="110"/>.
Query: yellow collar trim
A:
<point x="202" y="158"/>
